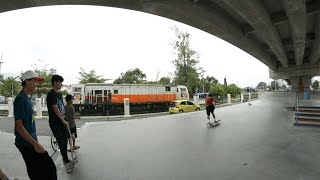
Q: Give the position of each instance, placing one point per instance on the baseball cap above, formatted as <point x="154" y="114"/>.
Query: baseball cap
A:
<point x="31" y="75"/>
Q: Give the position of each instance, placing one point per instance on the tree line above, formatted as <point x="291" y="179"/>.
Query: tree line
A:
<point x="187" y="72"/>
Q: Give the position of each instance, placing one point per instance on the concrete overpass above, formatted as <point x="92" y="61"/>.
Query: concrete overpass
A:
<point x="282" y="34"/>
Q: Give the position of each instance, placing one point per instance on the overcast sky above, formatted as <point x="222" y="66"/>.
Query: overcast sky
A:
<point x="111" y="41"/>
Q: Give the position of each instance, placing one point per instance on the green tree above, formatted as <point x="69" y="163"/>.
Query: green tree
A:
<point x="132" y="76"/>
<point x="273" y="85"/>
<point x="44" y="86"/>
<point x="315" y="85"/>
<point x="165" y="80"/>
<point x="90" y="77"/>
<point x="233" y="90"/>
<point x="186" y="62"/>
<point x="218" y="90"/>
<point x="208" y="81"/>
<point x="9" y="86"/>
<point x="149" y="82"/>
<point x="64" y="92"/>
<point x="262" y="85"/>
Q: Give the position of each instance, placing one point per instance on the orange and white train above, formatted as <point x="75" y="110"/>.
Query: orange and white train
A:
<point x="96" y="93"/>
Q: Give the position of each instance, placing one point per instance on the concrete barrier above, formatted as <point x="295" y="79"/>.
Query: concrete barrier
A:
<point x="126" y="103"/>
<point x="10" y="107"/>
<point x="38" y="108"/>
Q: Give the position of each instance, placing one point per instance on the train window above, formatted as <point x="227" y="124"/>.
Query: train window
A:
<point x="115" y="91"/>
<point x="76" y="89"/>
<point x="168" y="88"/>
<point x="77" y="97"/>
<point x="98" y="91"/>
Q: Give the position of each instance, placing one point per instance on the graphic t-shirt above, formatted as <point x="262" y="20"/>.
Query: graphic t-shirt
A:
<point x="54" y="98"/>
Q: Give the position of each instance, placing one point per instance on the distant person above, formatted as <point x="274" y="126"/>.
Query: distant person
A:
<point x="70" y="118"/>
<point x="57" y="123"/>
<point x="39" y="163"/>
<point x="210" y="102"/>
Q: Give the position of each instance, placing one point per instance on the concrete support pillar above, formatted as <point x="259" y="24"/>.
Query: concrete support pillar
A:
<point x="196" y="99"/>
<point x="294" y="82"/>
<point x="38" y="108"/>
<point x="249" y="96"/>
<point x="229" y="98"/>
<point x="306" y="80"/>
<point x="300" y="83"/>
<point x="126" y="103"/>
<point x="10" y="107"/>
<point x="242" y="97"/>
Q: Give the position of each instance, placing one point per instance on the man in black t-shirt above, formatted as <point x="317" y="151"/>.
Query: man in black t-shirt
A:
<point x="57" y="123"/>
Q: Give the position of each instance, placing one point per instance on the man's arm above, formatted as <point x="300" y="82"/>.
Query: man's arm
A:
<point x="25" y="135"/>
<point x="52" y="100"/>
<point x="56" y="110"/>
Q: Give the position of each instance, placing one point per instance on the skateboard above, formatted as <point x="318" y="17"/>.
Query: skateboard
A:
<point x="212" y="124"/>
<point x="74" y="158"/>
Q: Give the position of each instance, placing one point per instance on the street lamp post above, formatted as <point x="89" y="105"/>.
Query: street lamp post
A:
<point x="12" y="90"/>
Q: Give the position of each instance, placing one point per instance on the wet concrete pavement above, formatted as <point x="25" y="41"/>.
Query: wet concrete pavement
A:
<point x="11" y="161"/>
<point x="252" y="142"/>
<point x="43" y="129"/>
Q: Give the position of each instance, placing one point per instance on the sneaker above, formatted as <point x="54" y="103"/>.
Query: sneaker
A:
<point x="69" y="167"/>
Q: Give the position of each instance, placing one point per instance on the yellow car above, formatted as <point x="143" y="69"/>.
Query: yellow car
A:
<point x="180" y="106"/>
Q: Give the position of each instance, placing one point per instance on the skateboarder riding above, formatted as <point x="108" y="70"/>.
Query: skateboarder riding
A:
<point x="210" y="102"/>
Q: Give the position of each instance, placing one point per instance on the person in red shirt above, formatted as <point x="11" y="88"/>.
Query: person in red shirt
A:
<point x="210" y="102"/>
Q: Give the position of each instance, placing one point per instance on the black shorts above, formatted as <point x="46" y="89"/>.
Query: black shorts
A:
<point x="74" y="132"/>
<point x="210" y="109"/>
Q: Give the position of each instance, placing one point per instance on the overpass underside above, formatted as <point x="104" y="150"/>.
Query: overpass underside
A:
<point x="282" y="34"/>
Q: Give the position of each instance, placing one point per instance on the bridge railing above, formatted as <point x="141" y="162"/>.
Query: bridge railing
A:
<point x="224" y="100"/>
<point x="307" y="112"/>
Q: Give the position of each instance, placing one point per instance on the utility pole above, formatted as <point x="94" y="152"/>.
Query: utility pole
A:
<point x="1" y="62"/>
<point x="202" y="73"/>
<point x="158" y="72"/>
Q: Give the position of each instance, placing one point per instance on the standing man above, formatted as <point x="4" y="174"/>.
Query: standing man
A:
<point x="39" y="163"/>
<point x="57" y="123"/>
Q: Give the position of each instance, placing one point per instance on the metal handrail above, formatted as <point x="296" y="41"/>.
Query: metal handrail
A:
<point x="297" y="111"/>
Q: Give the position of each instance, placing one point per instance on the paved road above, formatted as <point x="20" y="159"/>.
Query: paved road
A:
<point x="43" y="129"/>
<point x="252" y="142"/>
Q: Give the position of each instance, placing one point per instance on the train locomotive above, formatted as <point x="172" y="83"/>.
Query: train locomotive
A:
<point x="99" y="98"/>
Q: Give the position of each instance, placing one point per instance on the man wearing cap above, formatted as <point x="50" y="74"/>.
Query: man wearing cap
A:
<point x="39" y="163"/>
